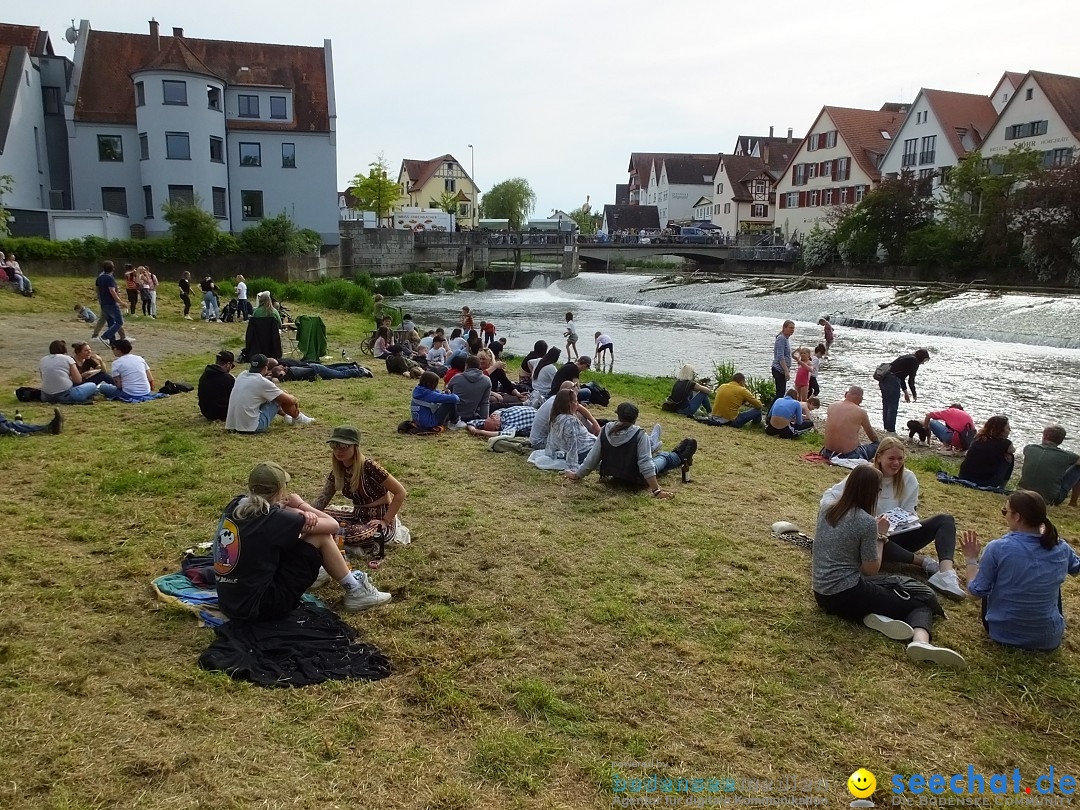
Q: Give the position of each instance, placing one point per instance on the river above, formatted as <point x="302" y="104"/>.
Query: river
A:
<point x="1017" y="355"/>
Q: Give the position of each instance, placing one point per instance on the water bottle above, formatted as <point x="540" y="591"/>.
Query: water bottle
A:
<point x="18" y="416"/>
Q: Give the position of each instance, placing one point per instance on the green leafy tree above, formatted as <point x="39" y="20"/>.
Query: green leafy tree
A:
<point x="7" y="183"/>
<point x="587" y="220"/>
<point x="886" y="217"/>
<point x="194" y="230"/>
<point x="279" y="236"/>
<point x="447" y="202"/>
<point x="375" y="191"/>
<point x="1047" y="213"/>
<point x="511" y="199"/>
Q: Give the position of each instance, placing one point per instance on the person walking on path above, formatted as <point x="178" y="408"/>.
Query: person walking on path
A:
<point x="781" y="364"/>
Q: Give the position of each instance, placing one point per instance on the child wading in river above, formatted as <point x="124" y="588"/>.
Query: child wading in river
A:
<point x="571" y="336"/>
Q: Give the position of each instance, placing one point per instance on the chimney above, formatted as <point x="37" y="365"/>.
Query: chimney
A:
<point x="770" y="131"/>
<point x="178" y="32"/>
<point x="155" y="35"/>
<point x="789" y="134"/>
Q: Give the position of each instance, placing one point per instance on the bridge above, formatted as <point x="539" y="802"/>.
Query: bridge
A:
<point x="601" y="253"/>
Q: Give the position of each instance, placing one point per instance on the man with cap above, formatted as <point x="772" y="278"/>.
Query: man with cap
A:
<point x="215" y="386"/>
<point x="256" y="399"/>
<point x="572" y="371"/>
<point x="270" y="546"/>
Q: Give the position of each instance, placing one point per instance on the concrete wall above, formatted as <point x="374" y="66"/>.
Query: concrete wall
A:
<point x="286" y="268"/>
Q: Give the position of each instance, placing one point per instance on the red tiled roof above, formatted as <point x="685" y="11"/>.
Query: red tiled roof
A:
<point x="1063" y="92"/>
<point x="29" y="36"/>
<point x="861" y="132"/>
<point x="1015" y="77"/>
<point x="642" y="163"/>
<point x="740" y="171"/>
<point x="420" y="171"/>
<point x="961" y="111"/>
<point x="106" y="95"/>
<point x="178" y="56"/>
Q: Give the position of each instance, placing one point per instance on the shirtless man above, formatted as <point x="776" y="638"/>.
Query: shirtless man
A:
<point x="845" y="419"/>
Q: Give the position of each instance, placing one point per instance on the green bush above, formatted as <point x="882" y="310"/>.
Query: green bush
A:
<point x="450" y="285"/>
<point x="937" y="245"/>
<point x="389" y="287"/>
<point x="279" y="236"/>
<point x="364" y="280"/>
<point x="194" y="231"/>
<point x="481" y="284"/>
<point x="763" y="389"/>
<point x="420" y="283"/>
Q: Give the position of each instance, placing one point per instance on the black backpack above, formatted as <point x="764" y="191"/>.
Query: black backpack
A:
<point x="599" y="395"/>
<point x="26" y="394"/>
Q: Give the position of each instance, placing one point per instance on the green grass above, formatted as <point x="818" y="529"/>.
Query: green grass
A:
<point x="541" y="630"/>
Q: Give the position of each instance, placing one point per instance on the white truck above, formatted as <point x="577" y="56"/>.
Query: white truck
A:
<point x="424" y="219"/>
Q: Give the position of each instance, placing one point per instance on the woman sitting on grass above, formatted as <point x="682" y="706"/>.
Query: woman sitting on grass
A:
<point x="688" y="396"/>
<point x="900" y="490"/>
<point x="269" y="547"/>
<point x="376" y="495"/>
<point x="539" y="350"/>
<point x="624" y="452"/>
<point x="543" y="372"/>
<point x="1019" y="577"/>
<point x="571" y="435"/>
<point x="989" y="460"/>
<point x="848" y="549"/>
<point x="502" y="390"/>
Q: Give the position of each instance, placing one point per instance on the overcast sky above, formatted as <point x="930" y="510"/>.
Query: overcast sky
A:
<point x="560" y="92"/>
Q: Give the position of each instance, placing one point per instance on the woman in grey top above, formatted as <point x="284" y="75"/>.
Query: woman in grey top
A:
<point x="847" y="553"/>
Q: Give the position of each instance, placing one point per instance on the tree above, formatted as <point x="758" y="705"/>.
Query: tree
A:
<point x="447" y="202"/>
<point x="887" y="216"/>
<point x="375" y="191"/>
<point x="194" y="230"/>
<point x="7" y="183"/>
<point x="511" y="199"/>
<point x="586" y="219"/>
<point x="1047" y="213"/>
<point x="279" y="236"/>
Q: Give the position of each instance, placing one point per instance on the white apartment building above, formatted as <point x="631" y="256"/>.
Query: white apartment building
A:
<point x="1043" y="114"/>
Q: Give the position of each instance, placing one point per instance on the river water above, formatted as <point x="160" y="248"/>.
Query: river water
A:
<point x="1017" y="355"/>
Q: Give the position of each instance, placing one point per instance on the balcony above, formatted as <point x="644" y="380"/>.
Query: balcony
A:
<point x="908" y="159"/>
<point x="926" y="157"/>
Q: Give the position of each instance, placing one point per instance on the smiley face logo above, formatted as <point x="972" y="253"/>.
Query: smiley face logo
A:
<point x="862" y="784"/>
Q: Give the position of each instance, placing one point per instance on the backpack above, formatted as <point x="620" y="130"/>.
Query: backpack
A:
<point x="882" y="371"/>
<point x="967" y="436"/>
<point x="25" y="394"/>
<point x="599" y="395"/>
<point x="170" y="387"/>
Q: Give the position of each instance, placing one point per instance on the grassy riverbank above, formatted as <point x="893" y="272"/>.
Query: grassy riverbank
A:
<point x="541" y="630"/>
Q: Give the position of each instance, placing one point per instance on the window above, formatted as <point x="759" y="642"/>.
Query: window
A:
<point x="759" y="210"/>
<point x="759" y="187"/>
<point x="1004" y="97"/>
<point x="182" y="195"/>
<point x="144" y="146"/>
<point x="811" y="171"/>
<point x="148" y="201"/>
<point x="927" y="152"/>
<point x="252" y="204"/>
<point x="1029" y="94"/>
<point x="727" y="208"/>
<point x="830" y="139"/>
<point x="719" y="188"/>
<point x="114" y="200"/>
<point x="860" y="192"/>
<point x="175" y="92"/>
<point x="219" y="202"/>
<point x="815" y="198"/>
<point x="177" y="146"/>
<point x="885" y="134"/>
<point x="277" y="107"/>
<point x="463" y="210"/>
<point x="793" y="199"/>
<point x="110" y="148"/>
<point x="827" y="168"/>
<point x="798" y="177"/>
<point x="250" y="154"/>
<point x="911" y="152"/>
<point x="843" y="168"/>
<point x="811" y="143"/>
<point x="843" y="196"/>
<point x="51" y="100"/>
<point x="1027" y="130"/>
<point x="140" y="94"/>
<point x="944" y="173"/>
<point x="828" y="196"/>
<point x="450" y="184"/>
<point x="213" y="97"/>
<point x="1056" y="158"/>
<point x="288" y="156"/>
<point x="217" y="150"/>
<point x="248" y="106"/>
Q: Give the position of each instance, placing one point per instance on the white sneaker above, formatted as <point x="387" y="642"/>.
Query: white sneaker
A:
<point x="927" y="652"/>
<point x="288" y="419"/>
<point x="459" y="425"/>
<point x="654" y="437"/>
<point x="893" y="628"/>
<point x="320" y="580"/>
<point x="188" y="318"/>
<point x="948" y="584"/>
<point x="304" y="419"/>
<point x="929" y="566"/>
<point x="367" y="595"/>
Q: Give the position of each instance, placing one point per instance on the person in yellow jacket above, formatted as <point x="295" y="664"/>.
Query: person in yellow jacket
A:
<point x="728" y="401"/>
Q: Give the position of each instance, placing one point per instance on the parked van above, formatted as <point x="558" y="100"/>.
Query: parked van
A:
<point x="696" y="236"/>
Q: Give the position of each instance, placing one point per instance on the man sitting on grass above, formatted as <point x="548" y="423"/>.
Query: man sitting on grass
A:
<point x="256" y="400"/>
<point x="729" y="399"/>
<point x="215" y="387"/>
<point x="844" y="421"/>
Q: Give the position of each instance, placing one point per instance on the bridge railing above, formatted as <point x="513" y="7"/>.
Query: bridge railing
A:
<point x="499" y="239"/>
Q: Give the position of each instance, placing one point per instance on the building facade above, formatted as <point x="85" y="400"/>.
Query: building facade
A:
<point x="1043" y="114"/>
<point x="423" y="182"/>
<point x="246" y="130"/>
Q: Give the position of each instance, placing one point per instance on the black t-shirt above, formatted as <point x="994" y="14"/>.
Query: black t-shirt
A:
<point x="904" y="368"/>
<point x="569" y="371"/>
<point x="681" y="391"/>
<point x="985" y="462"/>
<point x="247" y="555"/>
<point x="215" y="387"/>
<point x="103" y="283"/>
<point x="207" y="285"/>
<point x="185" y="286"/>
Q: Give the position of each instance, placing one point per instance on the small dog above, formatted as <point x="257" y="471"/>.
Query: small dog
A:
<point x="915" y="428"/>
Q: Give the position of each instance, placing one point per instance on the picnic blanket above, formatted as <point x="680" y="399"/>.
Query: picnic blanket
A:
<point x="945" y="478"/>
<point x="815" y="457"/>
<point x="124" y="396"/>
<point x="179" y="591"/>
<point x="310" y="645"/>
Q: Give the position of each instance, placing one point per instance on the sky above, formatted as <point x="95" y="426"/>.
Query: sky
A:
<point x="561" y="92"/>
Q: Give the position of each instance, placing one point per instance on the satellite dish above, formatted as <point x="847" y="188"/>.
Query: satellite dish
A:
<point x="72" y="35"/>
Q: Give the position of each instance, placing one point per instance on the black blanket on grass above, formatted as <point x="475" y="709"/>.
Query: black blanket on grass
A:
<point x="310" y="645"/>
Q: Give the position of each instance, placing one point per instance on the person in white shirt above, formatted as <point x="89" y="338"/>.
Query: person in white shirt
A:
<point x="241" y="298"/>
<point x="131" y="374"/>
<point x="61" y="381"/>
<point x="604" y="345"/>
<point x="256" y="399"/>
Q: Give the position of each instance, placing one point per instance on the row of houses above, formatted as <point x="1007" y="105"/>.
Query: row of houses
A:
<point x="793" y="184"/>
<point x="97" y="143"/>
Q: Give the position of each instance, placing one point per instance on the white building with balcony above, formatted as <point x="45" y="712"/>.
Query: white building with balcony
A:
<point x="246" y="129"/>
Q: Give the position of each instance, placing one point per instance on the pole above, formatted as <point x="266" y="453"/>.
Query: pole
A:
<point x="476" y="193"/>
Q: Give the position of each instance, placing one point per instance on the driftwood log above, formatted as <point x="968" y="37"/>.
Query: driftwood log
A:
<point x="915" y="297"/>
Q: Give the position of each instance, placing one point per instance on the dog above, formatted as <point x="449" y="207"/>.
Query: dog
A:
<point x="915" y="428"/>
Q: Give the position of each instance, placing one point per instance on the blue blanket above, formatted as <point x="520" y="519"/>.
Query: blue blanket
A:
<point x="945" y="478"/>
<point x="123" y="396"/>
<point x="178" y="590"/>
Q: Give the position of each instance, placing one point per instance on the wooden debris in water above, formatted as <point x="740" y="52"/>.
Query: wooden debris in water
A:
<point x="915" y="297"/>
<point x="778" y="286"/>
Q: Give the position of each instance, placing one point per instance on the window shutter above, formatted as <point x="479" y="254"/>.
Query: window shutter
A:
<point x="783" y="201"/>
<point x="802" y="199"/>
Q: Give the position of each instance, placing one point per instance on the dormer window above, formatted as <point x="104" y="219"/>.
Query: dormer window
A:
<point x="248" y="106"/>
<point x="278" y="107"/>
<point x="213" y="98"/>
<point x="886" y="135"/>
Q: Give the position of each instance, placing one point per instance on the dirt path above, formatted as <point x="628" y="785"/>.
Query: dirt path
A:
<point x="26" y="340"/>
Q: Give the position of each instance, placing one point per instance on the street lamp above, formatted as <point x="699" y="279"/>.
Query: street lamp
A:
<point x="476" y="193"/>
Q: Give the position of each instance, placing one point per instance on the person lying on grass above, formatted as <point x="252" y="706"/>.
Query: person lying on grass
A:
<point x="847" y="551"/>
<point x="623" y="452"/>
<point x="269" y="547"/>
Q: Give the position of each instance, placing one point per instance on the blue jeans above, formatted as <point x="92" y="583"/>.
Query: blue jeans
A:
<point x="665" y="461"/>
<point x="865" y="451"/>
<point x="20" y="428"/>
<point x="584" y="395"/>
<point x="343" y="372"/>
<point x="943" y="432"/>
<point x="1068" y="481"/>
<point x="697" y="401"/>
<point x="210" y="301"/>
<point x="747" y="416"/>
<point x="76" y="395"/>
<point x="114" y="318"/>
<point x="267" y="412"/>
<point x="890" y="401"/>
<point x="780" y="381"/>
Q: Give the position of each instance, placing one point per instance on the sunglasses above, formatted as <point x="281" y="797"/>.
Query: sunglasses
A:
<point x="339" y="445"/>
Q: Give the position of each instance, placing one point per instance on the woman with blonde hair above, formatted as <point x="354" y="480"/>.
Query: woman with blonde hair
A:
<point x="495" y="370"/>
<point x="900" y="490"/>
<point x="264" y="307"/>
<point x="375" y="494"/>
<point x="688" y="396"/>
<point x="269" y="548"/>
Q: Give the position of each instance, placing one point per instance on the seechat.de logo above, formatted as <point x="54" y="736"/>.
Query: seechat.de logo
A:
<point x="862" y="785"/>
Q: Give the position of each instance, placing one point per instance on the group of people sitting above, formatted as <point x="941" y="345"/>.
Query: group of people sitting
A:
<point x="11" y="272"/>
<point x="77" y="378"/>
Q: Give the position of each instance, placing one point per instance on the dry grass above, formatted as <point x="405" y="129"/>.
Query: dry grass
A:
<point x="541" y="630"/>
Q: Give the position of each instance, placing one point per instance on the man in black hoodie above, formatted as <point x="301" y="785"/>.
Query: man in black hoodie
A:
<point x="215" y="386"/>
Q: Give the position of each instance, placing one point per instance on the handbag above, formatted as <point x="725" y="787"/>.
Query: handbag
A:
<point x="882" y="371"/>
<point x="909" y="588"/>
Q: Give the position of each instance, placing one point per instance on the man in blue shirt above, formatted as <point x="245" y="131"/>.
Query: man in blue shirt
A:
<point x="109" y="300"/>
